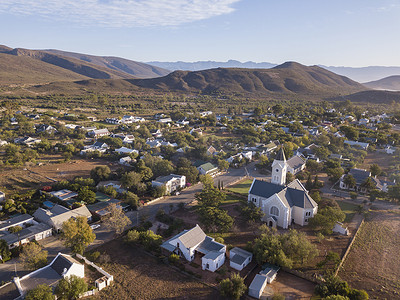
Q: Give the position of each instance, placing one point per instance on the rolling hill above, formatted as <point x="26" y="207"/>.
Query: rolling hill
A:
<point x="371" y="96"/>
<point x="24" y="66"/>
<point x="391" y="83"/>
<point x="290" y="79"/>
<point x="287" y="78"/>
<point x="137" y="69"/>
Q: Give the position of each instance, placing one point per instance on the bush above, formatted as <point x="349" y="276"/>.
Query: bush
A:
<point x="173" y="258"/>
<point x="132" y="236"/>
<point x="94" y="255"/>
<point x="353" y="195"/>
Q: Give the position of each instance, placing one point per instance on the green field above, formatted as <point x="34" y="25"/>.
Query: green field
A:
<point x="349" y="209"/>
<point x="231" y="198"/>
<point x="241" y="187"/>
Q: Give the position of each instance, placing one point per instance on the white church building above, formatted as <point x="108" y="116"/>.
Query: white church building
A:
<point x="282" y="204"/>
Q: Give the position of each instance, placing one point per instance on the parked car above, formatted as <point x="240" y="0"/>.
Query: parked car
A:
<point x="94" y="226"/>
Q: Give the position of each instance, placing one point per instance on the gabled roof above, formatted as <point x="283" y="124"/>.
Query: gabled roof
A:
<point x="14" y="221"/>
<point x="61" y="263"/>
<point x="360" y="175"/>
<point x="264" y="189"/>
<point x="165" y="179"/>
<point x="207" y="167"/>
<point x="295" y="162"/>
<point x="209" y="245"/>
<point x="192" y="237"/>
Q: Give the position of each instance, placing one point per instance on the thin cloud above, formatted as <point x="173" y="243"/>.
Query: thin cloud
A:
<point x="120" y="13"/>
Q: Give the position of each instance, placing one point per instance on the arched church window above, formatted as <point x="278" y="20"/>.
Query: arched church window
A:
<point x="274" y="211"/>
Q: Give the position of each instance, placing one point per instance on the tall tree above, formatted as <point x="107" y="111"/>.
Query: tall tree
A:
<point x="350" y="181"/>
<point x="77" y="234"/>
<point x="117" y="220"/>
<point x="233" y="287"/>
<point x="40" y="292"/>
<point x="70" y="287"/>
<point x="375" y="170"/>
<point x="33" y="256"/>
<point x="100" y="173"/>
<point x="5" y="253"/>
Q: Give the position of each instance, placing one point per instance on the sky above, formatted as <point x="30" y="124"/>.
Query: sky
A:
<point x="352" y="33"/>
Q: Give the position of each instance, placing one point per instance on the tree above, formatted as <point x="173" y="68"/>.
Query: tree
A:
<point x="4" y="251"/>
<point x="368" y="184"/>
<point x="86" y="195"/>
<point x="70" y="287"/>
<point x="116" y="220"/>
<point x="100" y="173"/>
<point x="334" y="173"/>
<point x="77" y="234"/>
<point x="375" y="170"/>
<point x="251" y="212"/>
<point x="131" y="180"/>
<point x="297" y="247"/>
<point x="233" y="287"/>
<point x="40" y="292"/>
<point x="215" y="219"/>
<point x="332" y="258"/>
<point x="289" y="177"/>
<point x="326" y="219"/>
<point x="309" y="183"/>
<point x="350" y="181"/>
<point x="185" y="167"/>
<point x="33" y="256"/>
<point x="223" y="164"/>
<point x="131" y="199"/>
<point x="16" y="229"/>
<point x="210" y="196"/>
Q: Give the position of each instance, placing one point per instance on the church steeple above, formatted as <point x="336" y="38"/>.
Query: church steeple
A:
<point x="279" y="168"/>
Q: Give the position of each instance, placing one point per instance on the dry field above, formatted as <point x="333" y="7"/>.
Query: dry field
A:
<point x="384" y="161"/>
<point x="140" y="276"/>
<point x="374" y="261"/>
<point x="33" y="177"/>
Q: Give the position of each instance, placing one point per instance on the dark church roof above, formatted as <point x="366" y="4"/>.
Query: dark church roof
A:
<point x="291" y="195"/>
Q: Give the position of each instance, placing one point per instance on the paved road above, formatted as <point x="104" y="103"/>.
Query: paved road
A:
<point x="53" y="245"/>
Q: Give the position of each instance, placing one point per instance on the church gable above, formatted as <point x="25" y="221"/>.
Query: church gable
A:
<point x="275" y="207"/>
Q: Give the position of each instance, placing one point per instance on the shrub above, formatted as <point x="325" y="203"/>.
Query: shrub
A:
<point x="173" y="258"/>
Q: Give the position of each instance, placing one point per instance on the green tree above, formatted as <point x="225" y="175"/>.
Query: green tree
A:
<point x="210" y="197"/>
<point x="215" y="219"/>
<point x="100" y="173"/>
<point x="70" y="287"/>
<point x="326" y="219"/>
<point x="116" y="219"/>
<point x="77" y="234"/>
<point x="233" y="287"/>
<point x="350" y="181"/>
<point x="289" y="177"/>
<point x="4" y="251"/>
<point x="33" y="256"/>
<point x="40" y="292"/>
<point x="223" y="164"/>
<point x="375" y="170"/>
<point x="368" y="184"/>
<point x="251" y="212"/>
<point x="297" y="247"/>
<point x="131" y="199"/>
<point x="86" y="195"/>
<point x="131" y="180"/>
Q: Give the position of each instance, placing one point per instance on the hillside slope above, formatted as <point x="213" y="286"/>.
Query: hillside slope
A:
<point x="391" y="83"/>
<point x="286" y="78"/>
<point x="22" y="70"/>
<point x="137" y="69"/>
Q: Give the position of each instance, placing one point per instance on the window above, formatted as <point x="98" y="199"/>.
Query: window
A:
<point x="254" y="199"/>
<point x="274" y="211"/>
<point x="306" y="220"/>
<point x="308" y="213"/>
<point x="276" y="170"/>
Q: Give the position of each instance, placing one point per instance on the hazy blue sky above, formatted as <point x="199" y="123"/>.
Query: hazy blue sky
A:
<point x="329" y="32"/>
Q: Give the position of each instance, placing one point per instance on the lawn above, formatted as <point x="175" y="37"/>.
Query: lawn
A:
<point x="241" y="187"/>
<point x="349" y="209"/>
<point x="232" y="198"/>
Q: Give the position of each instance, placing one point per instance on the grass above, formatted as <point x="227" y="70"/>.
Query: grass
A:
<point x="349" y="209"/>
<point x="231" y="198"/>
<point x="241" y="187"/>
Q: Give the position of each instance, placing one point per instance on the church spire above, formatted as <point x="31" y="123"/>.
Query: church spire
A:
<point x="281" y="155"/>
<point x="279" y="168"/>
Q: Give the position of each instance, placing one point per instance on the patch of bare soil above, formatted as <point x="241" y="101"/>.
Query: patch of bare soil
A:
<point x="138" y="275"/>
<point x="374" y="261"/>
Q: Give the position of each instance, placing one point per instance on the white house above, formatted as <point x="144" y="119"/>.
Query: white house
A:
<point x="207" y="169"/>
<point x="125" y="161"/>
<point x="125" y="150"/>
<point x="196" y="130"/>
<point x="35" y="232"/>
<point x="171" y="182"/>
<point x="190" y="243"/>
<point x="296" y="164"/>
<point x="98" y="133"/>
<point x="62" y="266"/>
<point x="282" y="204"/>
<point x="339" y="228"/>
<point x="363" y="146"/>
<point x="267" y="275"/>
<point x="239" y="258"/>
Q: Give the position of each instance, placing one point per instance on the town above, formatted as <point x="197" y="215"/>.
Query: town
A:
<point x="282" y="200"/>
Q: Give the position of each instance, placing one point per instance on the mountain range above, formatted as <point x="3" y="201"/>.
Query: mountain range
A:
<point x="25" y="66"/>
<point x="56" y="72"/>
<point x="362" y="74"/>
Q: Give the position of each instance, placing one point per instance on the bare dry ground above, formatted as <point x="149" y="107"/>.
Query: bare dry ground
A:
<point x="32" y="177"/>
<point x="140" y="276"/>
<point x="374" y="260"/>
<point x="383" y="160"/>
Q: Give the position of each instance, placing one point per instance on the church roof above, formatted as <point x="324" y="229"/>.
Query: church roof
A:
<point x="265" y="189"/>
<point x="292" y="195"/>
<point x="280" y="155"/>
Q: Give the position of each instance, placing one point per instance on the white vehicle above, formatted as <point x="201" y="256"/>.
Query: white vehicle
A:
<point x="94" y="226"/>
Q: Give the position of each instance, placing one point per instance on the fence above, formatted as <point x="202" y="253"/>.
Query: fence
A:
<point x="349" y="247"/>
